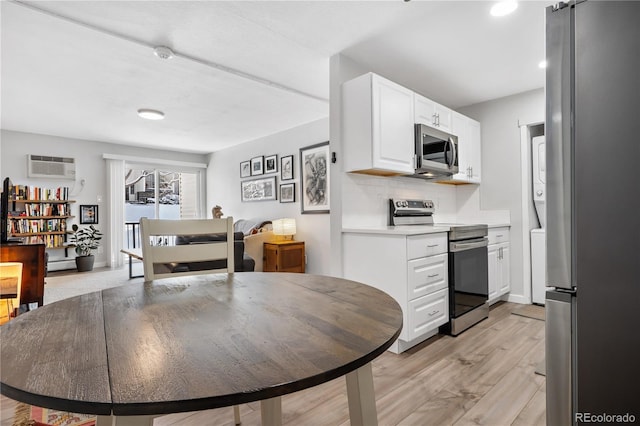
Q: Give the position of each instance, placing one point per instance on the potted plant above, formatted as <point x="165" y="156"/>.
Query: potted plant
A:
<point x="85" y="240"/>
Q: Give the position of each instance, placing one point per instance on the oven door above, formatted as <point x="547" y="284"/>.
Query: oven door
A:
<point x="436" y="151"/>
<point x="468" y="275"/>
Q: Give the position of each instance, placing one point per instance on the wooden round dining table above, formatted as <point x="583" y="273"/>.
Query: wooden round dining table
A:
<point x="131" y="353"/>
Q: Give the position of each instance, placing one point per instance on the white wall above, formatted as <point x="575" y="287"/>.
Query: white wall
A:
<point x="501" y="187"/>
<point x="90" y="166"/>
<point x="223" y="188"/>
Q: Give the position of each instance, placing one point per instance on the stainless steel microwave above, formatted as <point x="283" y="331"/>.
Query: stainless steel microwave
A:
<point x="436" y="153"/>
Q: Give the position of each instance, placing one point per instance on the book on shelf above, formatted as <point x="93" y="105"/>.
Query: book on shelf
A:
<point x="28" y="192"/>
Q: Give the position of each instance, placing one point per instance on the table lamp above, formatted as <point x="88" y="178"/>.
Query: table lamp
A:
<point x="284" y="228"/>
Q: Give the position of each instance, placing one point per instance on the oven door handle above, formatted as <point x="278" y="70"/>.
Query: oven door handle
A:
<point x="455" y="247"/>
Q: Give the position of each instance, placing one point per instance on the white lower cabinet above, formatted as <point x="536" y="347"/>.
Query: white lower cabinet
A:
<point x="428" y="313"/>
<point x="399" y="265"/>
<point x="499" y="260"/>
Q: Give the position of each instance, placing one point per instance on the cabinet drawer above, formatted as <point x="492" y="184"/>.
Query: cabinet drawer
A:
<point x="426" y="275"/>
<point x="427" y="313"/>
<point x="498" y="235"/>
<point x="426" y="245"/>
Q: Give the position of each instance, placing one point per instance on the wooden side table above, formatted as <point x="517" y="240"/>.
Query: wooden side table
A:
<point x="284" y="256"/>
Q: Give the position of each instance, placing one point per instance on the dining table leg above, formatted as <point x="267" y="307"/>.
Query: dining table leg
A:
<point x="271" y="411"/>
<point x="361" y="397"/>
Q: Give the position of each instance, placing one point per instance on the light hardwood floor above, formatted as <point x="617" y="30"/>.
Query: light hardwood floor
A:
<point x="485" y="376"/>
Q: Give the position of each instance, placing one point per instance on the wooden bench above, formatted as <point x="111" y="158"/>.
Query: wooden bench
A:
<point x="134" y="253"/>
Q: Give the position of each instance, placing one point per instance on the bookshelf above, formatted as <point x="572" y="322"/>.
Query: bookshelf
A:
<point x="39" y="215"/>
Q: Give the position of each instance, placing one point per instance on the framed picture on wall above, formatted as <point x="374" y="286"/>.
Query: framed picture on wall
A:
<point x="286" y="167"/>
<point x="245" y="169"/>
<point x="257" y="166"/>
<point x="314" y="178"/>
<point x="258" y="189"/>
<point x="271" y="164"/>
<point x="88" y="214"/>
<point x="288" y="193"/>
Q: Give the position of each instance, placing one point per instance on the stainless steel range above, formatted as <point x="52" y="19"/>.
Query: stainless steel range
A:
<point x="468" y="264"/>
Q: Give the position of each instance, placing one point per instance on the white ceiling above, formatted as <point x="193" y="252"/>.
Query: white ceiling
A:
<point x="82" y="69"/>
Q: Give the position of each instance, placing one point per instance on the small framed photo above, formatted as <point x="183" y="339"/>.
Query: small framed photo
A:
<point x="258" y="189"/>
<point x="271" y="164"/>
<point x="288" y="193"/>
<point x="286" y="167"/>
<point x="88" y="214"/>
<point x="257" y="166"/>
<point x="245" y="169"/>
<point x="314" y="178"/>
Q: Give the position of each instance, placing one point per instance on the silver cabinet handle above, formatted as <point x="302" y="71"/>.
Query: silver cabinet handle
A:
<point x="432" y="245"/>
<point x="432" y="276"/>
<point x="499" y="236"/>
<point x="433" y="313"/>
<point x="435" y="123"/>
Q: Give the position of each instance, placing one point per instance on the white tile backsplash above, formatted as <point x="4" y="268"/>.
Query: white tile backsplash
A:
<point x="365" y="200"/>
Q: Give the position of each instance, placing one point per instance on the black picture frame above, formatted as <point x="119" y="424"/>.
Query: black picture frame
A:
<point x="288" y="193"/>
<point x="257" y="165"/>
<point x="314" y="178"/>
<point x="286" y="167"/>
<point x="271" y="164"/>
<point x="245" y="169"/>
<point x="88" y="214"/>
<point x="263" y="189"/>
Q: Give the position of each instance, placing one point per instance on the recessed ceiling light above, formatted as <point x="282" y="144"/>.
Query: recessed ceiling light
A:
<point x="542" y="64"/>
<point x="151" y="114"/>
<point x="503" y="8"/>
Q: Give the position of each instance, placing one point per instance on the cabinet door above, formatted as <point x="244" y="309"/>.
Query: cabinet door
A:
<point x="475" y="143"/>
<point x="443" y="117"/>
<point x="392" y="121"/>
<point x="424" y="110"/>
<point x="460" y="128"/>
<point x="492" y="255"/>
<point x="427" y="313"/>
<point x="469" y="149"/>
<point x="505" y="269"/>
<point x="426" y="275"/>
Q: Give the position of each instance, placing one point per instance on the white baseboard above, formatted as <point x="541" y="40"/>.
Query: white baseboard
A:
<point x="66" y="264"/>
<point x="516" y="298"/>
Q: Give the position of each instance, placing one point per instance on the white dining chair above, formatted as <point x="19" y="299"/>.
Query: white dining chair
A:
<point x="169" y="247"/>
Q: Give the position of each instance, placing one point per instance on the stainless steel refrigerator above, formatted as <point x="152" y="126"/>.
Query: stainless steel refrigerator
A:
<point x="593" y="212"/>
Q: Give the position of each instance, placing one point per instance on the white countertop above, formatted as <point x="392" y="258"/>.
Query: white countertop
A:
<point x="410" y="229"/>
<point x="399" y="230"/>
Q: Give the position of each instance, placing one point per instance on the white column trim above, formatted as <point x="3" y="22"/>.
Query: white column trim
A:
<point x="115" y="195"/>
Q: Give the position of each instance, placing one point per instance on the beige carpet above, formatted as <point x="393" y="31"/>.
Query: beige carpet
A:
<point x="530" y="311"/>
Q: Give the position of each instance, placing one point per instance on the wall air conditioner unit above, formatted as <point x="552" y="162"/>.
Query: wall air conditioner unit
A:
<point x="43" y="166"/>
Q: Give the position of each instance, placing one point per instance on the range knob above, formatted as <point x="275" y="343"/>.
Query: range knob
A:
<point x="398" y="203"/>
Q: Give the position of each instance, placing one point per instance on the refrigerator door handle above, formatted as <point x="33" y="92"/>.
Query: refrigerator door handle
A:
<point x="559" y="146"/>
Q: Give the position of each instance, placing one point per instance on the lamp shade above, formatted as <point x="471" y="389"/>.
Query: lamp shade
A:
<point x="286" y="226"/>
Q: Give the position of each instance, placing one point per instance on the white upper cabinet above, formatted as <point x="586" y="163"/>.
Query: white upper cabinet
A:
<point x="469" y="149"/>
<point x="432" y="113"/>
<point x="377" y="125"/>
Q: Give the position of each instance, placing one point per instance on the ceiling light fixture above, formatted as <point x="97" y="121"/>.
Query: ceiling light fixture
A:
<point x="150" y="114"/>
<point x="503" y="8"/>
<point x="163" y="52"/>
<point x="542" y="64"/>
